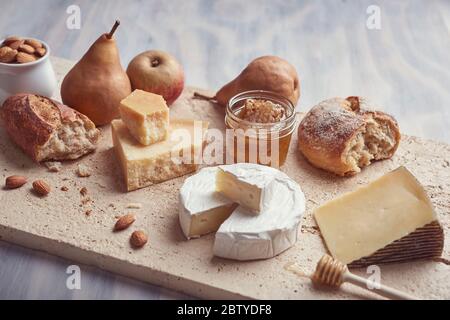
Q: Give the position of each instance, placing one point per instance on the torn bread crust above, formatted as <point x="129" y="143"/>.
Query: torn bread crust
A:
<point x="48" y="130"/>
<point x="341" y="137"/>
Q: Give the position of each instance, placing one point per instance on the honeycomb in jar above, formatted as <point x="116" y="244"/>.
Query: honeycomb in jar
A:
<point x="262" y="111"/>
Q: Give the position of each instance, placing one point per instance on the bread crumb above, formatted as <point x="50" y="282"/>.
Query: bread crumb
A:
<point x="83" y="171"/>
<point x="64" y="188"/>
<point x="88" y="212"/>
<point x="86" y="200"/>
<point x="53" y="166"/>
<point x="134" y="205"/>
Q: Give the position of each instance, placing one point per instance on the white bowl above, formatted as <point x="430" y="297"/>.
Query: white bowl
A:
<point x="36" y="77"/>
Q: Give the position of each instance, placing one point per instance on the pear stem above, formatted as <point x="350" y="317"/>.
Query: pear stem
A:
<point x="203" y="97"/>
<point x="111" y="33"/>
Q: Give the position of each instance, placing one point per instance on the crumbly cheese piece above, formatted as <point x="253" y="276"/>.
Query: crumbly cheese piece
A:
<point x="248" y="184"/>
<point x="176" y="156"/>
<point x="202" y="209"/>
<point x="146" y="115"/>
<point x="248" y="237"/>
<point x="373" y="220"/>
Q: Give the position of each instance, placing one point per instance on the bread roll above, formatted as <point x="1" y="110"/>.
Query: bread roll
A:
<point x="342" y="136"/>
<point x="46" y="129"/>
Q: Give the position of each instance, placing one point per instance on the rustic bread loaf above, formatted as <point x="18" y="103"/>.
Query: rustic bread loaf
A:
<point x="46" y="129"/>
<point x="342" y="136"/>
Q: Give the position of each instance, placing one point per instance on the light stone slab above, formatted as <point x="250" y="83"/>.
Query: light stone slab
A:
<point x="58" y="224"/>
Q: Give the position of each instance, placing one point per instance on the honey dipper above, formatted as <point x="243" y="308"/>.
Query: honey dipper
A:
<point x="333" y="273"/>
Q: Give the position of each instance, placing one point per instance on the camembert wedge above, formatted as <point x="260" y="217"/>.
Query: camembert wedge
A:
<point x="202" y="209"/>
<point x="241" y="235"/>
<point x="249" y="185"/>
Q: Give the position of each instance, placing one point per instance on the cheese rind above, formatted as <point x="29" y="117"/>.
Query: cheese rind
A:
<point x="146" y="116"/>
<point x="202" y="209"/>
<point x="240" y="235"/>
<point x="244" y="236"/>
<point x="147" y="165"/>
<point x="248" y="184"/>
<point x="358" y="224"/>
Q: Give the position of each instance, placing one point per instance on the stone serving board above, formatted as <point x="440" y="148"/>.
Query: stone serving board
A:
<point x="58" y="223"/>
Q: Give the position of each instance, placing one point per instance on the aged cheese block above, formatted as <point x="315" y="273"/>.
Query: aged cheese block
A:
<point x="247" y="184"/>
<point x="146" y="115"/>
<point x="202" y="209"/>
<point x="178" y="155"/>
<point x="389" y="220"/>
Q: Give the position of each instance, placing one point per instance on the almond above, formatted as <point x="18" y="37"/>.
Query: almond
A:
<point x="16" y="44"/>
<point x="26" y="48"/>
<point x="11" y="39"/>
<point x="138" y="239"/>
<point x="124" y="222"/>
<point x="23" y="57"/>
<point x="84" y="191"/>
<point x="40" y="52"/>
<point x="14" y="182"/>
<point x="7" y="55"/>
<point x="34" y="43"/>
<point x="41" y="187"/>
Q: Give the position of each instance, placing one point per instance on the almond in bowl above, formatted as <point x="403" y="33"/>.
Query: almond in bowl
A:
<point x="25" y="67"/>
<point x="21" y="50"/>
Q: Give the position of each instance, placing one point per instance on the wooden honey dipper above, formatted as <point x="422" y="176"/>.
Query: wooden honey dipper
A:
<point x="333" y="273"/>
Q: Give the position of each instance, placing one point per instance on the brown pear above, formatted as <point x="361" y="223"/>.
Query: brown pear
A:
<point x="269" y="73"/>
<point x="97" y="83"/>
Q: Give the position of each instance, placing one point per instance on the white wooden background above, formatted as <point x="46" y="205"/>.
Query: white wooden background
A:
<point x="404" y="68"/>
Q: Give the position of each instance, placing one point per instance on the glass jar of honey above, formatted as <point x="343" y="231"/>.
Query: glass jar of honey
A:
<point x="264" y="136"/>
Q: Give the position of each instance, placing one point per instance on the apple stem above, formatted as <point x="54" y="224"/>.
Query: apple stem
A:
<point x="203" y="97"/>
<point x="116" y="24"/>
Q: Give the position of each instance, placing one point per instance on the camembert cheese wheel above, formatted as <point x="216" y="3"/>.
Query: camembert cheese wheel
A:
<point x="242" y="235"/>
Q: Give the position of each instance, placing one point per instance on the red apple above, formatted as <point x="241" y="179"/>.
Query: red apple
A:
<point x="157" y="72"/>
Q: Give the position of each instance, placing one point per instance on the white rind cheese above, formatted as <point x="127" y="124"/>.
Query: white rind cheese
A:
<point x="240" y="234"/>
<point x="202" y="209"/>
<point x="250" y="185"/>
<point x="248" y="237"/>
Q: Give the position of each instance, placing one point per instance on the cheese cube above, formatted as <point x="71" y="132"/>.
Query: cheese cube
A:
<point x="146" y="115"/>
<point x="147" y="165"/>
<point x="389" y="220"/>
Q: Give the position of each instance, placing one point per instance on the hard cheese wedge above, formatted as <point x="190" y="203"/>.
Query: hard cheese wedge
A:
<point x="389" y="220"/>
<point x="146" y="165"/>
<point x="146" y="115"/>
<point x="250" y="186"/>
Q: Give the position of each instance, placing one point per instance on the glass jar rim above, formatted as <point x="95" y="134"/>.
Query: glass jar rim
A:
<point x="268" y="95"/>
